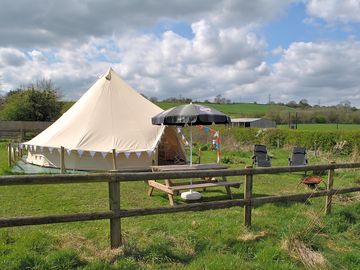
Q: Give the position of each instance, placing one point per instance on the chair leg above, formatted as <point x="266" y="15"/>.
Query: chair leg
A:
<point x="228" y="191"/>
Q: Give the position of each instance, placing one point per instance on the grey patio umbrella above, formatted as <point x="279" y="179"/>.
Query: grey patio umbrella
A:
<point x="191" y="115"/>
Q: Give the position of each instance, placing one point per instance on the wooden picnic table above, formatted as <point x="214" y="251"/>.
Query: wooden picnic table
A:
<point x="173" y="188"/>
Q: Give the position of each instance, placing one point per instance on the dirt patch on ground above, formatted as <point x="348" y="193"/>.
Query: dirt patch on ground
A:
<point x="307" y="256"/>
<point x="87" y="249"/>
<point x="252" y="236"/>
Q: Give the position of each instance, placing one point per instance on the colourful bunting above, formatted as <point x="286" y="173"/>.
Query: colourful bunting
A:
<point x="127" y="154"/>
<point x="80" y="152"/>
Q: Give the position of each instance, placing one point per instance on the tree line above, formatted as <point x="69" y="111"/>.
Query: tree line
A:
<point x="40" y="101"/>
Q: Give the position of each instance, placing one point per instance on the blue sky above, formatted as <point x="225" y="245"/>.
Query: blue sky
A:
<point x="242" y="50"/>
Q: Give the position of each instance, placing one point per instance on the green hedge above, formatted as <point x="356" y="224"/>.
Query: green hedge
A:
<point x="324" y="140"/>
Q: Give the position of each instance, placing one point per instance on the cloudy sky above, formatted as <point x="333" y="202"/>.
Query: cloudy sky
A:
<point x="244" y="50"/>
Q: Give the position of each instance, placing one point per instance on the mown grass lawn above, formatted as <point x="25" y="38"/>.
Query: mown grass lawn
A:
<point x="213" y="239"/>
<point x="325" y="127"/>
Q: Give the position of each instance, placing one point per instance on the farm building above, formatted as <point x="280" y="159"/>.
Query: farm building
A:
<point x="253" y="122"/>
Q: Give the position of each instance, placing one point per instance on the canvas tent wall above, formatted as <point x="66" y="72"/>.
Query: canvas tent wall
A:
<point x="110" y="115"/>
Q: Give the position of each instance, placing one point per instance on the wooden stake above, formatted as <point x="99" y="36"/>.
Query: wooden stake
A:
<point x="62" y="160"/>
<point x="248" y="185"/>
<point x="114" y="159"/>
<point x="9" y="155"/>
<point x="115" y="223"/>
<point x="329" y="188"/>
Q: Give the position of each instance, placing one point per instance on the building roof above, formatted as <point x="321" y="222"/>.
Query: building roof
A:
<point x="243" y="120"/>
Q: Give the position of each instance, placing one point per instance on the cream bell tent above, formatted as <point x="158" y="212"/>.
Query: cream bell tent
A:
<point x="110" y="117"/>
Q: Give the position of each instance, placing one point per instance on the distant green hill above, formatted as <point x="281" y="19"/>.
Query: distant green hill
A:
<point x="235" y="110"/>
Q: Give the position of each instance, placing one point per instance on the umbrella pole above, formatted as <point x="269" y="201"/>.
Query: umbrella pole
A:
<point x="191" y="145"/>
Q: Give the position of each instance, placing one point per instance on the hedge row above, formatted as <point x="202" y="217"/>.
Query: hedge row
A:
<point x="342" y="141"/>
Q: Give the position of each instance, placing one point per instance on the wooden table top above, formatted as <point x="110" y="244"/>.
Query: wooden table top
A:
<point x="187" y="167"/>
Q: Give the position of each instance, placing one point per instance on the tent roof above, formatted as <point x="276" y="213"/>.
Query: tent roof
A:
<point x="110" y="115"/>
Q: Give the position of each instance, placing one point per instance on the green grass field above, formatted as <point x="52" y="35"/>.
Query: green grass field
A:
<point x="234" y="110"/>
<point x="324" y="127"/>
<point x="213" y="239"/>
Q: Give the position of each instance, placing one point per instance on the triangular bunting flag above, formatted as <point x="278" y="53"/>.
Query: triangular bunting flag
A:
<point x="80" y="152"/>
<point x="104" y="154"/>
<point x="178" y="129"/>
<point x="117" y="154"/>
<point x="41" y="148"/>
<point x="30" y="147"/>
<point x="138" y="153"/>
<point x="68" y="151"/>
<point x="26" y="146"/>
<point x="34" y="147"/>
<point x="149" y="152"/>
<point x="21" y="146"/>
<point x="92" y="153"/>
<point x="127" y="154"/>
<point x="50" y="149"/>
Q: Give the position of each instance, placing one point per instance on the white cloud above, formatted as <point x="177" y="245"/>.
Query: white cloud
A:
<point x="345" y="11"/>
<point x="316" y="71"/>
<point x="215" y="61"/>
<point x="73" y="42"/>
<point x="11" y="57"/>
<point x="26" y="23"/>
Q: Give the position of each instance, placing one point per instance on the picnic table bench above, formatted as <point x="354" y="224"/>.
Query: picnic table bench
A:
<point x="172" y="188"/>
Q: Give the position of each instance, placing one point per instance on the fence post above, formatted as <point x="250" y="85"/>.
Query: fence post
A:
<point x="62" y="159"/>
<point x="247" y="197"/>
<point x="114" y="159"/>
<point x="9" y="154"/>
<point x="329" y="188"/>
<point x="114" y="205"/>
<point x="14" y="153"/>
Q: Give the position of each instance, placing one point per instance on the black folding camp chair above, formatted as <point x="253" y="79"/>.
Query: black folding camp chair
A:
<point x="261" y="157"/>
<point x="298" y="157"/>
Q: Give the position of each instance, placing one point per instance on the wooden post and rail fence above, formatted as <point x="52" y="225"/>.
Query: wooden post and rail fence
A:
<point x="114" y="178"/>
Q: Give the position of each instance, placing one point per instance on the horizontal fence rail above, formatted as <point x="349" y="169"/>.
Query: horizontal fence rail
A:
<point x="114" y="178"/>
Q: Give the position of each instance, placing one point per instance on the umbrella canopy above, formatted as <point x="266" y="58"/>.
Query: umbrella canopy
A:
<point x="190" y="114"/>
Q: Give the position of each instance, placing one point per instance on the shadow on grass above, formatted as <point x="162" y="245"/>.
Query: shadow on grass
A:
<point x="214" y="195"/>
